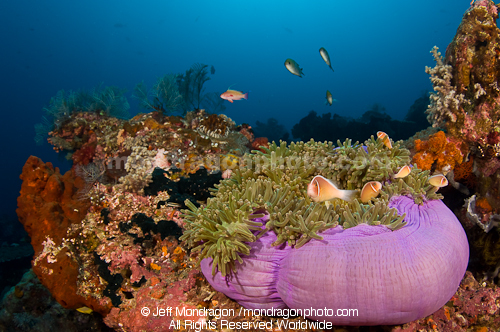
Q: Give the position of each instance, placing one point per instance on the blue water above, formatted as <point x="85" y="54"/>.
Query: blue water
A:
<point x="378" y="50"/>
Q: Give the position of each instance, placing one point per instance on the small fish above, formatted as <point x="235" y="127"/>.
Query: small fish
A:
<point x="385" y="138"/>
<point x="321" y="189"/>
<point x="293" y="67"/>
<point x="438" y="180"/>
<point x="212" y="70"/>
<point x="403" y="172"/>
<point x="85" y="310"/>
<point x="326" y="57"/>
<point x="329" y="98"/>
<point x="370" y="190"/>
<point x="231" y="95"/>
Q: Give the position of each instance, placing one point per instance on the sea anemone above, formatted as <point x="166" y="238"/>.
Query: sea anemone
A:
<point x="266" y="244"/>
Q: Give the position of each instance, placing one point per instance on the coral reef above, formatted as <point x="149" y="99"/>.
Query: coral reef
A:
<point x="109" y="235"/>
<point x="438" y="153"/>
<point x="130" y="150"/>
<point x="107" y="230"/>
<point x="47" y="206"/>
<point x="107" y="101"/>
<point x="465" y="81"/>
<point x="261" y="237"/>
<point x="466" y="105"/>
<point x="116" y="251"/>
<point x="104" y="252"/>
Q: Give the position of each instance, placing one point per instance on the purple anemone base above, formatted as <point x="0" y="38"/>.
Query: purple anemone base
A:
<point x="389" y="277"/>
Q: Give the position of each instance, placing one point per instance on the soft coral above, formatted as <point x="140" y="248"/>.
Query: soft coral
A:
<point x="438" y="152"/>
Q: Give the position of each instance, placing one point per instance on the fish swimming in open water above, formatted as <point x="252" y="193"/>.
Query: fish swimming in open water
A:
<point x="231" y="95"/>
<point x="326" y="57"/>
<point x="293" y="67"/>
<point x="329" y="98"/>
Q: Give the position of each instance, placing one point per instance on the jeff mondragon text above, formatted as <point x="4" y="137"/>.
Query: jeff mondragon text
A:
<point x="284" y="313"/>
<point x="197" y="326"/>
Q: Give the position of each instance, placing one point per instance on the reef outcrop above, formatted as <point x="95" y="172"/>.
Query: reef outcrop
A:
<point x="47" y="207"/>
<point x="466" y="104"/>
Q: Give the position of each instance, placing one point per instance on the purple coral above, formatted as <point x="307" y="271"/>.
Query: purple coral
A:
<point x="390" y="277"/>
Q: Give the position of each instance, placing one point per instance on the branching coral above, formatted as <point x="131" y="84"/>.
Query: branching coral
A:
<point x="213" y="102"/>
<point x="446" y="102"/>
<point x="165" y="95"/>
<point x="42" y="129"/>
<point x="109" y="101"/>
<point x="185" y="92"/>
<point x="466" y="80"/>
<point x="191" y="86"/>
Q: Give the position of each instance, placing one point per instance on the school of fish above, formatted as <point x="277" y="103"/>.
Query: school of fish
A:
<point x="294" y="68"/>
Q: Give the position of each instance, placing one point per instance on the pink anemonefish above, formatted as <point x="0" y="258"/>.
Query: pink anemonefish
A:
<point x="403" y="172"/>
<point x="370" y="190"/>
<point x="438" y="180"/>
<point x="321" y="189"/>
<point x="384" y="138"/>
